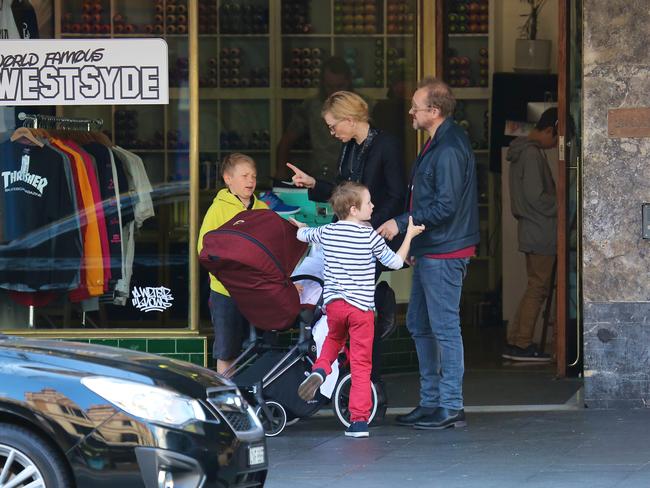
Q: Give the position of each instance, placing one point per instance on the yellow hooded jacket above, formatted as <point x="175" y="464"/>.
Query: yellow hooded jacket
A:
<point x="224" y="207"/>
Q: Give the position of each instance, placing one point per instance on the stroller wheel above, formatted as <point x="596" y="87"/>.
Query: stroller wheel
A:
<point x="342" y="400"/>
<point x="276" y="419"/>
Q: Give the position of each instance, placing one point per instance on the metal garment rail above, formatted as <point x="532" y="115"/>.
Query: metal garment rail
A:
<point x="39" y="121"/>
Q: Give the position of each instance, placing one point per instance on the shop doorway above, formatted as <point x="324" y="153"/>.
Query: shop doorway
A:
<point x="559" y="326"/>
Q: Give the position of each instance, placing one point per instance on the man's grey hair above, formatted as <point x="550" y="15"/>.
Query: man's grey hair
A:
<point x="439" y="95"/>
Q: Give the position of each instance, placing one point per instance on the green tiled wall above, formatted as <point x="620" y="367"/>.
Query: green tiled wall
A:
<point x="398" y="351"/>
<point x="185" y="349"/>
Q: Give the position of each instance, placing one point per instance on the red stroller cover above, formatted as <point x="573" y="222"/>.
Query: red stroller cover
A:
<point x="253" y="255"/>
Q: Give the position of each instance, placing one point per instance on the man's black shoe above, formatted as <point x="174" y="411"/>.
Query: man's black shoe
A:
<point x="414" y="415"/>
<point x="442" y="418"/>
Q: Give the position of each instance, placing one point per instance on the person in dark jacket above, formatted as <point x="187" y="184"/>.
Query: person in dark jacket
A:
<point x="374" y="158"/>
<point x="368" y="155"/>
<point x="533" y="204"/>
<point x="443" y="197"/>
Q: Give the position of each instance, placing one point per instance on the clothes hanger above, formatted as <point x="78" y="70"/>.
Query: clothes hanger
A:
<point x="23" y="135"/>
<point x="101" y="138"/>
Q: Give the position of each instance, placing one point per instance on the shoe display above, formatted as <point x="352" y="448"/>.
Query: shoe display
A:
<point x="307" y="389"/>
<point x="414" y="415"/>
<point x="357" y="429"/>
<point x="276" y="204"/>
<point x="442" y="418"/>
<point x="531" y="353"/>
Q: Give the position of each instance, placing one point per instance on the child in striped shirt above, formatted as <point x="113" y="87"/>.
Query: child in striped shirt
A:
<point x="351" y="248"/>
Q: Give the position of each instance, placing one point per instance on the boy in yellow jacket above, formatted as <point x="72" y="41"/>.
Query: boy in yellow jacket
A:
<point x="230" y="327"/>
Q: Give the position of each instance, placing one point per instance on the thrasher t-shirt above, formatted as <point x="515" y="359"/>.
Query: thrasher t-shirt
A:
<point x="41" y="249"/>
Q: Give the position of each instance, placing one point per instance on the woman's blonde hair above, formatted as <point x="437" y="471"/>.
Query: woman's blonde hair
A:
<point x="229" y="163"/>
<point x="345" y="196"/>
<point x="346" y="105"/>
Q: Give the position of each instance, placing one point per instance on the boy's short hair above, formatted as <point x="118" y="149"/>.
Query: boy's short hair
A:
<point x="232" y="160"/>
<point x="547" y="119"/>
<point x="346" y="195"/>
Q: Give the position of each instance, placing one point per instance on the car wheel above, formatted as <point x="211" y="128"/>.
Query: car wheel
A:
<point x="342" y="400"/>
<point x="277" y="421"/>
<point x="27" y="460"/>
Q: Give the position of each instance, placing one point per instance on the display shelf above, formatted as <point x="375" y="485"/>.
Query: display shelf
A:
<point x="459" y="35"/>
<point x="471" y="93"/>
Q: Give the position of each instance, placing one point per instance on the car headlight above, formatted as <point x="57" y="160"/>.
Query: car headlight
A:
<point x="145" y="401"/>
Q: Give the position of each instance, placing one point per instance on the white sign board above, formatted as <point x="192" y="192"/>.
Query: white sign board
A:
<point x="83" y="72"/>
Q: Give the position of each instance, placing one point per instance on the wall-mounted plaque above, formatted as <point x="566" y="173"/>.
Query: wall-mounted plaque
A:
<point x="628" y="122"/>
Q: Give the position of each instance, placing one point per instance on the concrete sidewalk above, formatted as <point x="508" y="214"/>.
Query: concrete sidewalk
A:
<point x="573" y="448"/>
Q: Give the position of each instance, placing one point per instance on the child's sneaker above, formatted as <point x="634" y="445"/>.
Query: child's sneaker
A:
<point x="357" y="429"/>
<point x="276" y="204"/>
<point x="307" y="389"/>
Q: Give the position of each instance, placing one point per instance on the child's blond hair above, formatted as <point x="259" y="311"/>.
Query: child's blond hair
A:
<point x="229" y="163"/>
<point x="346" y="195"/>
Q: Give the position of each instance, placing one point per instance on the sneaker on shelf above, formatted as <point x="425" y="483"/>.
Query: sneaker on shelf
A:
<point x="531" y="353"/>
<point x="276" y="204"/>
<point x="357" y="429"/>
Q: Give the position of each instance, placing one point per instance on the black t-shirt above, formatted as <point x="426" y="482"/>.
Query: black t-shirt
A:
<point x="42" y="244"/>
<point x="25" y="18"/>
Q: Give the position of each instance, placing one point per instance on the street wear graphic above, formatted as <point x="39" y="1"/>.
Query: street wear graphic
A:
<point x="16" y="180"/>
<point x="151" y="299"/>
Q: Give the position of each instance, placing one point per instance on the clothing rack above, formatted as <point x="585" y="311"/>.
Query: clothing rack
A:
<point x="39" y="121"/>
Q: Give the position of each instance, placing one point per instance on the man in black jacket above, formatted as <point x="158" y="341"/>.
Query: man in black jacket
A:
<point x="442" y="195"/>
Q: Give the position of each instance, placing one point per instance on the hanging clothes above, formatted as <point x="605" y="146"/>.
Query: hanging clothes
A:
<point x="110" y="201"/>
<point x="138" y="182"/>
<point x="92" y="264"/>
<point x="41" y="249"/>
<point x="106" y="197"/>
<point x="93" y="178"/>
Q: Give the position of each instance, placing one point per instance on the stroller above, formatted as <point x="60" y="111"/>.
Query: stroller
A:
<point x="252" y="255"/>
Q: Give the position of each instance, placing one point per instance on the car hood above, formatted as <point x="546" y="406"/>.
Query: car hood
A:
<point x="81" y="359"/>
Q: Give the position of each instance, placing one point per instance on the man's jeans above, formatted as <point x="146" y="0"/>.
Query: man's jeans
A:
<point x="433" y="319"/>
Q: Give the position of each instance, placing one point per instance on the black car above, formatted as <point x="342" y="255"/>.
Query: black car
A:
<point x="80" y="415"/>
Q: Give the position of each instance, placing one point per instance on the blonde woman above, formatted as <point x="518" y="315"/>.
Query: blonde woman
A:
<point x="368" y="156"/>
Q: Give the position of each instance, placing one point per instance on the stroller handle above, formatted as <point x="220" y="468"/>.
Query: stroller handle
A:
<point x="300" y="277"/>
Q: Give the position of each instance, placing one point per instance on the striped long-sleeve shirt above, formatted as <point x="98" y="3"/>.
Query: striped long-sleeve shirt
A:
<point x="351" y="251"/>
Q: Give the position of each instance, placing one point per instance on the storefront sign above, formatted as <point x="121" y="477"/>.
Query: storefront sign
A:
<point x="151" y="299"/>
<point x="84" y="72"/>
<point x="628" y="122"/>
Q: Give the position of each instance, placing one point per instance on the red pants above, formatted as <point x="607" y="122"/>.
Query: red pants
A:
<point x="344" y="319"/>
